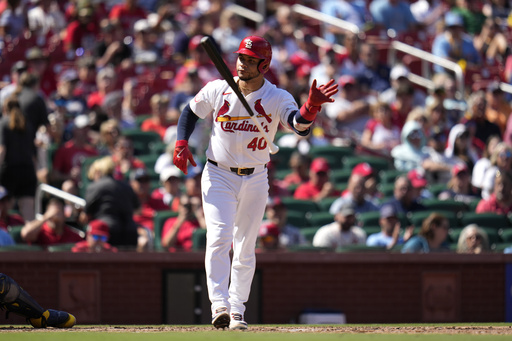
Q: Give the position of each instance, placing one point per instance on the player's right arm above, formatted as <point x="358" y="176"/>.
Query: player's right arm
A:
<point x="186" y="124"/>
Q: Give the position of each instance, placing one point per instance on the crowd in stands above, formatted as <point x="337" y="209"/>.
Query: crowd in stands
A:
<point x="91" y="92"/>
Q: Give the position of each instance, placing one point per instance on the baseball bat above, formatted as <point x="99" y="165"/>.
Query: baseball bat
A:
<point x="223" y="69"/>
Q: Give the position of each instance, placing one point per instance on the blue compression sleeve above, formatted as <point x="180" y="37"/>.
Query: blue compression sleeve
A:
<point x="298" y="117"/>
<point x="186" y="123"/>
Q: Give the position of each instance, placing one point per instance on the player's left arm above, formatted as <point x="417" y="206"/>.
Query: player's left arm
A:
<point x="300" y="121"/>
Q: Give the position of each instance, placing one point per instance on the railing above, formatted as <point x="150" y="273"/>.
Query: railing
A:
<point x="44" y="188"/>
<point x="246" y="13"/>
<point x="325" y="18"/>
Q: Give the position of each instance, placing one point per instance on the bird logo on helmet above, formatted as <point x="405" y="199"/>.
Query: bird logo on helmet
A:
<point x="257" y="47"/>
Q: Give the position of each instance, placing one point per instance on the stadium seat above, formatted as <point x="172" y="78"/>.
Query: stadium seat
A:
<point x="319" y="218"/>
<point x="371" y="229"/>
<point x="142" y="140"/>
<point x="297" y="219"/>
<point x="388" y="176"/>
<point x="436" y="189"/>
<point x="330" y="150"/>
<point x="506" y="235"/>
<point x="417" y="218"/>
<point x="369" y="218"/>
<point x="446" y="205"/>
<point x="61" y="247"/>
<point x="299" y="205"/>
<point x="149" y="160"/>
<point x="360" y="248"/>
<point x="309" y="233"/>
<point x="281" y="159"/>
<point x="159" y="221"/>
<point x="199" y="239"/>
<point x="15" y="233"/>
<point x="21" y="247"/>
<point x="487" y="219"/>
<point x="325" y="204"/>
<point x="377" y="163"/>
<point x="340" y="176"/>
<point x="387" y="189"/>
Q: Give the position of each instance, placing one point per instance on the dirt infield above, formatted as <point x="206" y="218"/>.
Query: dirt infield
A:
<point x="444" y="329"/>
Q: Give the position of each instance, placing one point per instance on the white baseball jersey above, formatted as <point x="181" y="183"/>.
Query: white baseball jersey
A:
<point x="235" y="140"/>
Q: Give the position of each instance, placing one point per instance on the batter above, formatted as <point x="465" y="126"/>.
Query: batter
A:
<point x="235" y="182"/>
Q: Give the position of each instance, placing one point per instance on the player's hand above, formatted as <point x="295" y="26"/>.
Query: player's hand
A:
<point x="182" y="155"/>
<point x="322" y="94"/>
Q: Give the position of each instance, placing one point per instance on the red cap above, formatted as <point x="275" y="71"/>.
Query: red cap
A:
<point x="363" y="169"/>
<point x="458" y="168"/>
<point x="269" y="230"/>
<point x="194" y="42"/>
<point x="346" y="79"/>
<point x="417" y="178"/>
<point x="98" y="228"/>
<point x="320" y="164"/>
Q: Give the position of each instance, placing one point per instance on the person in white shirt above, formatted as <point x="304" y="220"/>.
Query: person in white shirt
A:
<point x="342" y="232"/>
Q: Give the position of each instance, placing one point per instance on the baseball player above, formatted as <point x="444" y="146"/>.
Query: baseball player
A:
<point x="234" y="183"/>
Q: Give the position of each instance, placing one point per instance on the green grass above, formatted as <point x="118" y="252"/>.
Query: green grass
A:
<point x="268" y="333"/>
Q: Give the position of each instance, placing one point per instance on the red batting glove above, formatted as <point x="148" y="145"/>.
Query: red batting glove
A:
<point x="182" y="155"/>
<point x="317" y="97"/>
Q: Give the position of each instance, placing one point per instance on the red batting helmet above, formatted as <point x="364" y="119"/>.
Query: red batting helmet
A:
<point x="257" y="47"/>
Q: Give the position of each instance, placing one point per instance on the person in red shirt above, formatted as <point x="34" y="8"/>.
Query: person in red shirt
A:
<point x="83" y="32"/>
<point x="51" y="229"/>
<point x="124" y="161"/>
<point x="500" y="201"/>
<point x="68" y="159"/>
<point x="158" y="121"/>
<point x="318" y="187"/>
<point x="126" y="14"/>
<point x="140" y="183"/>
<point x="96" y="239"/>
<point x="177" y="231"/>
<point x="7" y="218"/>
<point x="299" y="164"/>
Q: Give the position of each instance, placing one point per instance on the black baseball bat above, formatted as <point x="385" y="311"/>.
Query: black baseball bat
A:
<point x="224" y="71"/>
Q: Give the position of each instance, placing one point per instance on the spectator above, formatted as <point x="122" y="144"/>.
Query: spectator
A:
<point x="318" y="187"/>
<point x="118" y="105"/>
<point x="351" y="63"/>
<point x="473" y="239"/>
<point x="306" y="56"/>
<point x="501" y="160"/>
<point x="106" y="83"/>
<point x="428" y="13"/>
<point x="500" y="201"/>
<point x="140" y="182"/>
<point x="454" y="44"/>
<point x="374" y="73"/>
<point x="144" y="48"/>
<point x="229" y="33"/>
<point x="277" y="226"/>
<point x="491" y="43"/>
<point x="276" y="188"/>
<point x="459" y="187"/>
<point x="158" y="121"/>
<point x="17" y="157"/>
<point x="6" y="239"/>
<point x="498" y="108"/>
<point x="432" y="236"/>
<point x="124" y="160"/>
<point x="32" y="104"/>
<point x="419" y="184"/>
<point x="165" y="159"/>
<point x="459" y="146"/>
<point x="329" y="67"/>
<point x="64" y="100"/>
<point x="299" y="170"/>
<point x="12" y="20"/>
<point x="484" y="162"/>
<point x="46" y="19"/>
<point x="82" y="33"/>
<point x="351" y="110"/>
<point x="345" y="10"/>
<point x="7" y="217"/>
<point x="51" y="229"/>
<point x="342" y="232"/>
<point x="16" y="70"/>
<point x="410" y="153"/>
<point x="355" y="194"/>
<point x="193" y="177"/>
<point x="403" y="199"/>
<point x="111" y="49"/>
<point x="436" y="115"/>
<point x="169" y="192"/>
<point x="471" y="13"/>
<point x="113" y="202"/>
<point x="68" y="158"/>
<point x="86" y="76"/>
<point x="125" y="14"/>
<point x="96" y="239"/>
<point x="108" y="137"/>
<point x="389" y="236"/>
<point x="38" y="63"/>
<point x="199" y="62"/>
<point x="380" y="134"/>
<point x="437" y="165"/>
<point x="393" y="14"/>
<point x="453" y="100"/>
<point x="177" y="231"/>
<point x="399" y="77"/>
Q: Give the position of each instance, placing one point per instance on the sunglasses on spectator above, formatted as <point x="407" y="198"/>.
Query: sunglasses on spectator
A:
<point x="475" y="236"/>
<point x="505" y="154"/>
<point x="415" y="134"/>
<point x="96" y="237"/>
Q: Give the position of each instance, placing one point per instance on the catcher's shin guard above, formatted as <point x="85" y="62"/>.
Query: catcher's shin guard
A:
<point x="16" y="300"/>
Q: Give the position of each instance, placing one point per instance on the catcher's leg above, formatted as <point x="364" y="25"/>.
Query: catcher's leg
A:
<point x="16" y="300"/>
